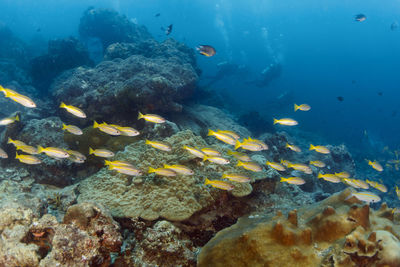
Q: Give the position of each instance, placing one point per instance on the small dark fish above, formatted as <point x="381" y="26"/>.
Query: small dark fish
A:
<point x="157" y="15"/>
<point x="394" y="26"/>
<point x="360" y="17"/>
<point x="168" y="30"/>
<point x="206" y="50"/>
<point x="340" y="98"/>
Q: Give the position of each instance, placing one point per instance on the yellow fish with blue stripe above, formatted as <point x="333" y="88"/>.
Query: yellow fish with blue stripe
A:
<point x="53" y="152"/>
<point x="219" y="184"/>
<point x="9" y="120"/>
<point x="16" y="97"/>
<point x="151" y="118"/>
<point x="73" y="110"/>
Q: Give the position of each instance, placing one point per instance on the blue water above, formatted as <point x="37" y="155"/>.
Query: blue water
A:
<point x="321" y="48"/>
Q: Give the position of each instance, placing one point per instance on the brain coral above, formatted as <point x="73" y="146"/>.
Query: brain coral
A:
<point x="334" y="232"/>
<point x="150" y="197"/>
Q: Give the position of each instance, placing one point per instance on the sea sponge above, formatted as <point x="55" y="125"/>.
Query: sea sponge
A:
<point x="333" y="232"/>
<point x="150" y="197"/>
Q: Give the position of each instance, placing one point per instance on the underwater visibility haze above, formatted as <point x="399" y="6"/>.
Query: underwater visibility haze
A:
<point x="200" y="133"/>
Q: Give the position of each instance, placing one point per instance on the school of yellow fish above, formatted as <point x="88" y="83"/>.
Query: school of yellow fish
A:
<point x="206" y="154"/>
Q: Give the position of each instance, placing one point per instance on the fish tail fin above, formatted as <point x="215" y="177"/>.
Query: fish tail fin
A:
<point x="224" y="176"/>
<point x="40" y="149"/>
<point x="238" y="144"/>
<point x="210" y="132"/>
<point x="207" y="181"/>
<point x="151" y="170"/>
<point x="17" y="117"/>
<point x="296" y="107"/>
<point x="140" y="116"/>
<point x="283" y="179"/>
<point x="275" y="121"/>
<point x="205" y="157"/>
<point x="64" y="126"/>
<point x="95" y="124"/>
<point x="319" y="175"/>
<point x="9" y="141"/>
<point x="312" y="147"/>
<point x="147" y="142"/>
<point x="62" y="105"/>
<point x="230" y="152"/>
<point x="239" y="163"/>
<point x="16" y="155"/>
<point x="106" y="162"/>
<point x="91" y="151"/>
<point x="166" y="166"/>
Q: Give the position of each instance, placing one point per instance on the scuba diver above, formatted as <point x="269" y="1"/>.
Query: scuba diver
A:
<point x="270" y="73"/>
<point x="226" y="69"/>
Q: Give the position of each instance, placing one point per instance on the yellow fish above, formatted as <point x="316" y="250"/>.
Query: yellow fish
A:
<point x="117" y="163"/>
<point x="151" y="118"/>
<point x="27" y="149"/>
<point x="76" y="156"/>
<point x="231" y="133"/>
<point x="195" y="152"/>
<point x="219" y="184"/>
<point x="21" y="99"/>
<point x="320" y="149"/>
<point x="108" y="129"/>
<point x="180" y="169"/>
<point x="3" y="154"/>
<point x="351" y="182"/>
<point x="128" y="170"/>
<point x="126" y="131"/>
<point x="376" y="165"/>
<point x="9" y="120"/>
<point x="15" y="142"/>
<point x="210" y="151"/>
<point x="28" y="159"/>
<point x="236" y="177"/>
<point x="73" y="110"/>
<point x="361" y="184"/>
<point x="53" y="152"/>
<point x="329" y="177"/>
<point x="293" y="180"/>
<point x="226" y="138"/>
<point x="342" y="175"/>
<point x="300" y="167"/>
<point x="318" y="163"/>
<point x="276" y="166"/>
<point x="397" y="192"/>
<point x="251" y="166"/>
<point x="286" y="121"/>
<point x="293" y="147"/>
<point x="263" y="145"/>
<point x="216" y="159"/>
<point x="100" y="152"/>
<point x="72" y="129"/>
<point x="162" y="172"/>
<point x="159" y="145"/>
<point x="240" y="156"/>
<point x="365" y="196"/>
<point x="302" y="107"/>
<point x="249" y="145"/>
<point x="378" y="186"/>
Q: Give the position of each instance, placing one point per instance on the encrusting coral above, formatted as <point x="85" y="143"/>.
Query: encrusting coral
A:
<point x="150" y="197"/>
<point x="334" y="232"/>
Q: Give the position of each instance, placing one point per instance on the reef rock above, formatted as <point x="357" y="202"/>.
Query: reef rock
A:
<point x="118" y="89"/>
<point x="150" y="197"/>
<point x="63" y="54"/>
<point x="334" y="232"/>
<point x="110" y="27"/>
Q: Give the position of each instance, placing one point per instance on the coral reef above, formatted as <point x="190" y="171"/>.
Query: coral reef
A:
<point x="162" y="244"/>
<point x="150" y="197"/>
<point x="87" y="237"/>
<point x="334" y="232"/>
<point x="110" y="27"/>
<point x="63" y="54"/>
